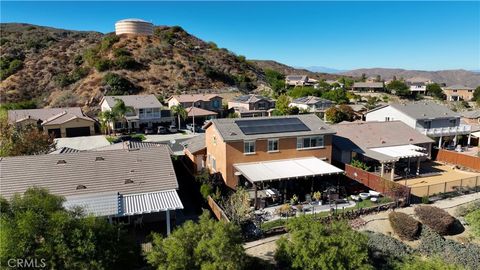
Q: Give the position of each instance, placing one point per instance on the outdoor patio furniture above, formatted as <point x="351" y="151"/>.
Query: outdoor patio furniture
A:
<point x="364" y="196"/>
<point x="374" y="199"/>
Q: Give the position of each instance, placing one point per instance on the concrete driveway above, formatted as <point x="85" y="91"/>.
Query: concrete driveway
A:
<point x="82" y="143"/>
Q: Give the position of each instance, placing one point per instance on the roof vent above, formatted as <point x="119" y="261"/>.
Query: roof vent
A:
<point x="383" y="142"/>
<point x="61" y="161"/>
<point x="424" y="114"/>
<point x="322" y="128"/>
<point x="81" y="187"/>
<point x="99" y="159"/>
<point x="128" y="181"/>
<point x="411" y="139"/>
<point x="233" y="134"/>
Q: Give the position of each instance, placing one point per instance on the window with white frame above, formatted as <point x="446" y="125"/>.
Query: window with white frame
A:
<point x="214" y="163"/>
<point x="310" y="142"/>
<point x="272" y="145"/>
<point x="249" y="147"/>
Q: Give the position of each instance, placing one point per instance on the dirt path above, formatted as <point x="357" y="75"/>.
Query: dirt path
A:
<point x="265" y="248"/>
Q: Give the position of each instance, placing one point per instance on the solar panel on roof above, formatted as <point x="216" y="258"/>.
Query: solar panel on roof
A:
<point x="263" y="126"/>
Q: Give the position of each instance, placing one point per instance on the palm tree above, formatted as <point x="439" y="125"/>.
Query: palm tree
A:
<point x="180" y="112"/>
<point x="106" y="117"/>
<point x="119" y="110"/>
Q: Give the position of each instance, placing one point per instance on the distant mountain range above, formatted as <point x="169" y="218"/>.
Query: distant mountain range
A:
<point x="324" y="69"/>
<point x="449" y="77"/>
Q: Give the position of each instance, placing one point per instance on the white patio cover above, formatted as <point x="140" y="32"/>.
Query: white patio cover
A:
<point x="98" y="204"/>
<point x="285" y="169"/>
<point x="141" y="203"/>
<point x="401" y="151"/>
<point x="476" y="134"/>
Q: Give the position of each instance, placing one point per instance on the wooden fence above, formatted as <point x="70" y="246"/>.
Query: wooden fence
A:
<point x="217" y="210"/>
<point x="452" y="157"/>
<point x="377" y="183"/>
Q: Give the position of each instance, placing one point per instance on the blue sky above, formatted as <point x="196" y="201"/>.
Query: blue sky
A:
<point x="342" y="35"/>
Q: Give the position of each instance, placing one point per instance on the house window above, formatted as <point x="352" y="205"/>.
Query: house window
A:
<point x="310" y="142"/>
<point x="214" y="164"/>
<point x="427" y="124"/>
<point x="272" y="145"/>
<point x="216" y="104"/>
<point x="249" y="147"/>
<point x="470" y="91"/>
<point x="453" y="122"/>
<point x="387" y="119"/>
<point x="214" y="140"/>
<point x="454" y="91"/>
<point x="141" y="112"/>
<point x="149" y="113"/>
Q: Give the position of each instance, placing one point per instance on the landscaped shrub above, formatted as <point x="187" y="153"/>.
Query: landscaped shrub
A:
<point x="405" y="226"/>
<point x="381" y="246"/>
<point x="464" y="210"/>
<point x="206" y="190"/>
<point x="437" y="219"/>
<point x="433" y="244"/>
<point x="118" y="85"/>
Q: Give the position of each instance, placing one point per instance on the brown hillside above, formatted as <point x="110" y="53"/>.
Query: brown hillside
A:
<point x="61" y="67"/>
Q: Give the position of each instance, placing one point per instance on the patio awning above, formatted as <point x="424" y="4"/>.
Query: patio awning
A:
<point x="401" y="151"/>
<point x="142" y="203"/>
<point x="476" y="134"/>
<point x="98" y="204"/>
<point x="285" y="169"/>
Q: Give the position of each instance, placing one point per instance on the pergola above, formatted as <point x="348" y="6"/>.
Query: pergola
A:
<point x="284" y="169"/>
<point x="392" y="154"/>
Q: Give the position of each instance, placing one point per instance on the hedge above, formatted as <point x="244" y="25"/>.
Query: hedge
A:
<point x="405" y="226"/>
<point x="435" y="218"/>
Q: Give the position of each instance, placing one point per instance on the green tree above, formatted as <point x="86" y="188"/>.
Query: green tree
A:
<point x="23" y="140"/>
<point x="312" y="245"/>
<point x="476" y="95"/>
<point x="237" y="206"/>
<point x="180" y="112"/>
<point x="372" y="102"/>
<point x="417" y="263"/>
<point x="435" y="90"/>
<point x="334" y="115"/>
<point x="339" y="96"/>
<point x="118" y="85"/>
<point x="36" y="226"/>
<point x="208" y="244"/>
<point x="281" y="105"/>
<point x="398" y="88"/>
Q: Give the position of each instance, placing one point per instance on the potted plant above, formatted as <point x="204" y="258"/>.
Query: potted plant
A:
<point x="317" y="195"/>
<point x="294" y="200"/>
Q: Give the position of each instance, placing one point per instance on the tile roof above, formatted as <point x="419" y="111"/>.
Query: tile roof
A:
<point x="130" y="145"/>
<point x="471" y="114"/>
<point x="296" y="77"/>
<point x="251" y="98"/>
<point x="424" y="110"/>
<point x="230" y="131"/>
<point x="360" y="136"/>
<point x="123" y="171"/>
<point x="194" y="97"/>
<point x="194" y="111"/>
<point x="458" y="87"/>
<point x="135" y="101"/>
<point x="368" y="85"/>
<point x="195" y="144"/>
<point x="64" y="117"/>
<point x="43" y="114"/>
<point x="64" y="150"/>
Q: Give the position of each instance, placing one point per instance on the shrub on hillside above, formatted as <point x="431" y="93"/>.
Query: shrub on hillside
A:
<point x="381" y="246"/>
<point x="437" y="219"/>
<point x="433" y="244"/>
<point x="464" y="210"/>
<point x="405" y="226"/>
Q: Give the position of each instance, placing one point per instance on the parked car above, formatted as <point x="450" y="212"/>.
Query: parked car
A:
<point x="172" y="129"/>
<point x="162" y="130"/>
<point x="149" y="131"/>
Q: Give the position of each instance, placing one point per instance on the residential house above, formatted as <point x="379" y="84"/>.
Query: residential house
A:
<point x="389" y="147"/>
<point x="196" y="152"/>
<point x="210" y="102"/>
<point x="458" y="92"/>
<point x="299" y="80"/>
<point x="431" y="119"/>
<point x="368" y="86"/>
<point x="251" y="105"/>
<point x="335" y="84"/>
<point x="472" y="118"/>
<point x="418" y="84"/>
<point x="277" y="152"/>
<point x="119" y="184"/>
<point x="61" y="122"/>
<point x="312" y="104"/>
<point x="147" y="111"/>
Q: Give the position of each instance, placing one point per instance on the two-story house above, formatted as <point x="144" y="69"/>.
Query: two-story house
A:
<point x="312" y="104"/>
<point x="209" y="102"/>
<point x="418" y="84"/>
<point x="147" y="112"/>
<point x="279" y="152"/>
<point x="299" y="80"/>
<point x="458" y="92"/>
<point x="61" y="122"/>
<point x="431" y="119"/>
<point x="251" y="105"/>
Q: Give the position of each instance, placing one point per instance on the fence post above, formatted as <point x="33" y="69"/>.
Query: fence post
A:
<point x="428" y="191"/>
<point x="445" y="188"/>
<point x="461" y="182"/>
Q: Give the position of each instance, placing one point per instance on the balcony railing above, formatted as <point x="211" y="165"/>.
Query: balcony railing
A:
<point x="446" y="131"/>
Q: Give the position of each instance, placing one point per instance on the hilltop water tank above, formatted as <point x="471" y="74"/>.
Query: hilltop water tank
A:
<point x="133" y="26"/>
